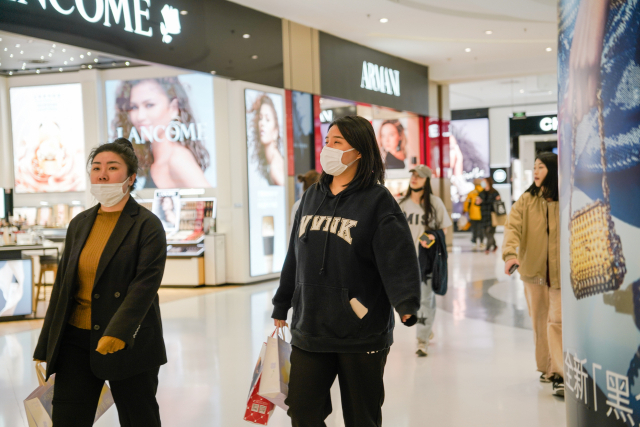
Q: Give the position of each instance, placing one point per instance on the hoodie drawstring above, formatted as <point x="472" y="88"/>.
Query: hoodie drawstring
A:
<point x="304" y="236"/>
<point x="326" y="239"/>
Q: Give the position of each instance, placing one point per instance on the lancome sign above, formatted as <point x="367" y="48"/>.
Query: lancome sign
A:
<point x="131" y="15"/>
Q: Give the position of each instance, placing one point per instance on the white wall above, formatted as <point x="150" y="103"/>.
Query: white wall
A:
<point x="499" y="129"/>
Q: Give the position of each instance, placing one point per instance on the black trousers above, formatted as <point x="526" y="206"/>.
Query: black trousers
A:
<point x="477" y="233"/>
<point x="490" y="233"/>
<point x="77" y="389"/>
<point x="361" y="387"/>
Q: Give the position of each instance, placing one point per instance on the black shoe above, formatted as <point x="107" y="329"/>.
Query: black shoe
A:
<point x="544" y="379"/>
<point x="558" y="386"/>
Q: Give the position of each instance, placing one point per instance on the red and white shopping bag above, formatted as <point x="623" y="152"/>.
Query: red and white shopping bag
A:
<point x="259" y="409"/>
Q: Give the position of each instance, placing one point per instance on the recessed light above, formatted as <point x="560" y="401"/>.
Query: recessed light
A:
<point x="549" y="49"/>
<point x="53" y="45"/>
<point x="50" y="55"/>
<point x="11" y="56"/>
<point x="18" y="45"/>
<point x="5" y="49"/>
<point x="64" y="50"/>
<point x="184" y="12"/>
<point x="65" y="62"/>
<point x="468" y="50"/>
<point x="246" y="36"/>
<point x="521" y="90"/>
<point x="384" y="20"/>
<point x="21" y="52"/>
<point x="213" y="72"/>
<point x="89" y="53"/>
<point x="38" y="71"/>
<point x="71" y="59"/>
<point x="42" y="57"/>
<point x="81" y="56"/>
<point x="90" y="66"/>
<point x="95" y="60"/>
<point x="127" y="63"/>
<point x="11" y="73"/>
<point x="254" y="57"/>
<point x="488" y="32"/>
<point x="60" y="69"/>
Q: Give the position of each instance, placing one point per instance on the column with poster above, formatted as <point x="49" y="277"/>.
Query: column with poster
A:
<point x="599" y="128"/>
<point x="266" y="181"/>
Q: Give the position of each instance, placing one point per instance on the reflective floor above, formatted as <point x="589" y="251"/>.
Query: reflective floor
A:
<point x="480" y="370"/>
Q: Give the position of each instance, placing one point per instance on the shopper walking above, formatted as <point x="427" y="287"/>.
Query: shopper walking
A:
<point x="425" y="213"/>
<point x="532" y="242"/>
<point x="351" y="259"/>
<point x="307" y="180"/>
<point x="472" y="206"/>
<point x="487" y="197"/>
<point x="103" y="321"/>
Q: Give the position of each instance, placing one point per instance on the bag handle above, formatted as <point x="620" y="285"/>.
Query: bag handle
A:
<point x="279" y="332"/>
<point x="40" y="373"/>
<point x="603" y="152"/>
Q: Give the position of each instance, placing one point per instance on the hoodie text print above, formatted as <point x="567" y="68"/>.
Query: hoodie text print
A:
<point x="354" y="244"/>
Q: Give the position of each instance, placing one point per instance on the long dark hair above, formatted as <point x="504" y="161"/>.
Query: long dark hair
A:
<point x="425" y="201"/>
<point x="550" y="183"/>
<point x="259" y="156"/>
<point x="123" y="148"/>
<point x="360" y="135"/>
<point x="490" y="182"/>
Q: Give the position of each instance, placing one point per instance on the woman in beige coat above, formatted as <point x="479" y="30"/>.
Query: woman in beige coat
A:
<point x="531" y="242"/>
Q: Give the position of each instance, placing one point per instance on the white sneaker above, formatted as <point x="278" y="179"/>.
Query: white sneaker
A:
<point x="422" y="349"/>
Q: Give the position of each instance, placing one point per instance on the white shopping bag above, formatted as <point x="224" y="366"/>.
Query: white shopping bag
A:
<point x="38" y="405"/>
<point x="274" y="384"/>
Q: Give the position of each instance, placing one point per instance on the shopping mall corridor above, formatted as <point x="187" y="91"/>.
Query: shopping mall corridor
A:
<point x="480" y="370"/>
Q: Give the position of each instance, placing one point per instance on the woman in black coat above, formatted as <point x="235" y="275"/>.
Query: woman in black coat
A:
<point x="487" y="198"/>
<point x="103" y="321"/>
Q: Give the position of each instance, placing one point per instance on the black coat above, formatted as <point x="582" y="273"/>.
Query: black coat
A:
<point x="434" y="264"/>
<point x="125" y="294"/>
<point x="488" y="199"/>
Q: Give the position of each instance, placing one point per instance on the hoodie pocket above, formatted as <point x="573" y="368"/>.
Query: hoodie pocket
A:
<point x="324" y="311"/>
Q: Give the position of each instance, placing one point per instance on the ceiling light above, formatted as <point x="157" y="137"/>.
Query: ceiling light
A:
<point x="488" y="32"/>
<point x="53" y="45"/>
<point x="521" y="90"/>
<point x="65" y="62"/>
<point x="21" y="52"/>
<point x="127" y="63"/>
<point x="50" y="55"/>
<point x="254" y="57"/>
<point x="246" y="36"/>
<point x="549" y="49"/>
<point x="18" y="45"/>
<point x="5" y="49"/>
<point x="89" y="53"/>
<point x="38" y="71"/>
<point x="90" y="66"/>
<point x="184" y="12"/>
<point x="384" y="20"/>
<point x="1" y="40"/>
<point x="468" y="50"/>
<point x="95" y="60"/>
<point x="11" y="56"/>
<point x="60" y="69"/>
<point x="83" y="66"/>
<point x="11" y="73"/>
<point x="71" y="59"/>
<point x="42" y="57"/>
<point x="81" y="56"/>
<point x="213" y="72"/>
<point x="64" y="50"/>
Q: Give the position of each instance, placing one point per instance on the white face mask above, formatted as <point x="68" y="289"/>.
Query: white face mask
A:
<point x="108" y="194"/>
<point x="331" y="160"/>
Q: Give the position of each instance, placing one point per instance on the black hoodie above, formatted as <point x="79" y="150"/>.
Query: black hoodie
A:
<point x="356" y="244"/>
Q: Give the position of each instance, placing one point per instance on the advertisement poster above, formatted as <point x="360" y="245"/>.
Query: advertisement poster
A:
<point x="48" y="138"/>
<point x="15" y="288"/>
<point x="468" y="157"/>
<point x="303" y="136"/>
<point x="266" y="178"/>
<point x="166" y="206"/>
<point x="170" y="123"/>
<point x="599" y="129"/>
<point x="399" y="142"/>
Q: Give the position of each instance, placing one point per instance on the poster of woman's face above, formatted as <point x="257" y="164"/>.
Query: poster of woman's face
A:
<point x="48" y="138"/>
<point x="468" y="157"/>
<point x="266" y="178"/>
<point x="399" y="142"/>
<point x="15" y="288"/>
<point x="166" y="206"/>
<point x="170" y="122"/>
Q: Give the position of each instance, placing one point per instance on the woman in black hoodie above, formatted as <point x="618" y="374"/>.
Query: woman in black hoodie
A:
<point x="351" y="260"/>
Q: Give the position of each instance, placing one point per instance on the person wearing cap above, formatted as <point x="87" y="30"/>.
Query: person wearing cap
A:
<point x="307" y="180"/>
<point x="425" y="212"/>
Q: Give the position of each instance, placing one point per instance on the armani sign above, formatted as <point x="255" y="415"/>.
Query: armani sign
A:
<point x="380" y="79"/>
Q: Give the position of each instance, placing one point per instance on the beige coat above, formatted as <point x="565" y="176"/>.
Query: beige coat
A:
<point x="526" y="238"/>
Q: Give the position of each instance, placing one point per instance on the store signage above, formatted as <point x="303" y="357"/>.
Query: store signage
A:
<point x="380" y="79"/>
<point x="548" y="124"/>
<point x="174" y="132"/>
<point x="326" y="116"/>
<point x="134" y="15"/>
<point x="499" y="176"/>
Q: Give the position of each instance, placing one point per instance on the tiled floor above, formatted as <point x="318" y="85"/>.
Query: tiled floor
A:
<point x="480" y="370"/>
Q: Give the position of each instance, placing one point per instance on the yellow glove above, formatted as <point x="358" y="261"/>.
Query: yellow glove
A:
<point x="109" y="345"/>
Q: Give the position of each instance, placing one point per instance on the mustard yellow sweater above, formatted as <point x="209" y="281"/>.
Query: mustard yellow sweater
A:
<point x="88" y="264"/>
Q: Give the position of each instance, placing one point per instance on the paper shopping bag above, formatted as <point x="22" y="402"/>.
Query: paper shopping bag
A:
<point x="275" y="374"/>
<point x="38" y="405"/>
<point x="259" y="409"/>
